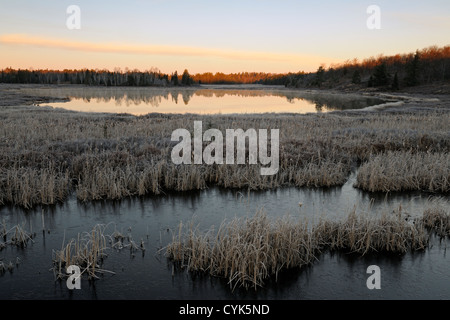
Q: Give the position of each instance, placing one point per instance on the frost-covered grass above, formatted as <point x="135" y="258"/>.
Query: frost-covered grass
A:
<point x="405" y="171"/>
<point x="49" y="153"/>
<point x="246" y="251"/>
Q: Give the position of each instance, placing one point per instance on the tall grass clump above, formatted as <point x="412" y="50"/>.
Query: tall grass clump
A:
<point x="405" y="171"/>
<point x="362" y="234"/>
<point x="436" y="218"/>
<point x="245" y="251"/>
<point x="27" y="187"/>
<point x="86" y="251"/>
<point x="248" y="250"/>
<point x="16" y="235"/>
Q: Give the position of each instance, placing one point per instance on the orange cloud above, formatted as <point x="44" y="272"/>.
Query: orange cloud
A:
<point x="109" y="47"/>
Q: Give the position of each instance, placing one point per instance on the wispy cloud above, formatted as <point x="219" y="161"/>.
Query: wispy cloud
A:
<point x="129" y="48"/>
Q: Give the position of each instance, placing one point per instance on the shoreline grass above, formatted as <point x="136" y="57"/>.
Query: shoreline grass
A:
<point x="405" y="171"/>
<point x="246" y="251"/>
<point x="436" y="218"/>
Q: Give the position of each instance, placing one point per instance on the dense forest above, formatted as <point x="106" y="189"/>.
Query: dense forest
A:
<point x="388" y="72"/>
<point x="152" y="77"/>
<point x="394" y="72"/>
<point x="245" y="78"/>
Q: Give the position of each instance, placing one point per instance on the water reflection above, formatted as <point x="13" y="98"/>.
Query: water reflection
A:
<point x="203" y="99"/>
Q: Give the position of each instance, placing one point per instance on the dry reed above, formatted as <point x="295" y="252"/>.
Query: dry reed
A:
<point x="405" y="170"/>
<point x="48" y="153"/>
<point x="247" y="251"/>
<point x="16" y="235"/>
<point x="360" y="233"/>
<point x="87" y="251"/>
<point x="437" y="218"/>
<point x="27" y="187"/>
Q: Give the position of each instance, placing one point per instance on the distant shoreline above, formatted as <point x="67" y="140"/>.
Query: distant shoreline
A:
<point x="427" y="95"/>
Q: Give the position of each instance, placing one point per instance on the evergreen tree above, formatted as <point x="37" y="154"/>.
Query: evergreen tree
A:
<point x="412" y="70"/>
<point x="380" y="76"/>
<point x="395" y="85"/>
<point x="174" y="78"/>
<point x="186" y="79"/>
<point x="131" y="81"/>
<point x="319" y="76"/>
<point x="370" y="82"/>
<point x="356" y="78"/>
<point x="87" y="78"/>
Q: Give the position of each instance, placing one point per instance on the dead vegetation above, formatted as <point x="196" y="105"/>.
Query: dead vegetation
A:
<point x="247" y="251"/>
<point x="27" y="187"/>
<point x="89" y="249"/>
<point x="437" y="219"/>
<point x="405" y="171"/>
<point x="17" y="235"/>
<point x="48" y="154"/>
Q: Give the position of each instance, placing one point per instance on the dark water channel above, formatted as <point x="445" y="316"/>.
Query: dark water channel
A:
<point x="149" y="275"/>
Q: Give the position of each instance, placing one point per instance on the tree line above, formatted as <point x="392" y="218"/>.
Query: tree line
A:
<point x="152" y="77"/>
<point x="243" y="78"/>
<point x="424" y="66"/>
<point x="421" y="67"/>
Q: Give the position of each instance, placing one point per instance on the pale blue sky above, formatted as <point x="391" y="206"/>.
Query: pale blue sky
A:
<point x="300" y="35"/>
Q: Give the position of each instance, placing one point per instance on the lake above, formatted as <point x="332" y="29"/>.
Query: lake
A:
<point x="206" y="99"/>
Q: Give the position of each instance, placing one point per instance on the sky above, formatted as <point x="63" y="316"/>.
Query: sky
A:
<point x="214" y="36"/>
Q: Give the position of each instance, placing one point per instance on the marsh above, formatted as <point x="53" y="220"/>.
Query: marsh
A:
<point x="75" y="170"/>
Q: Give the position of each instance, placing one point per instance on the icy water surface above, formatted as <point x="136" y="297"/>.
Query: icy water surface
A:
<point x="149" y="275"/>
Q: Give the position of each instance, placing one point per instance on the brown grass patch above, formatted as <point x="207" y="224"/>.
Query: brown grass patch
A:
<point x="48" y="153"/>
<point x="246" y="251"/>
<point x="405" y="171"/>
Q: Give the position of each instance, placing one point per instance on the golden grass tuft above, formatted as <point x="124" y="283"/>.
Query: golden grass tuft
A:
<point x="437" y="219"/>
<point x="27" y="187"/>
<point x="87" y="251"/>
<point x="360" y="233"/>
<point x="404" y="171"/>
<point x="247" y="251"/>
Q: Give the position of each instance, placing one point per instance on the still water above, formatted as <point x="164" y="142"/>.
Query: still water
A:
<point x="149" y="275"/>
<point x="202" y="100"/>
